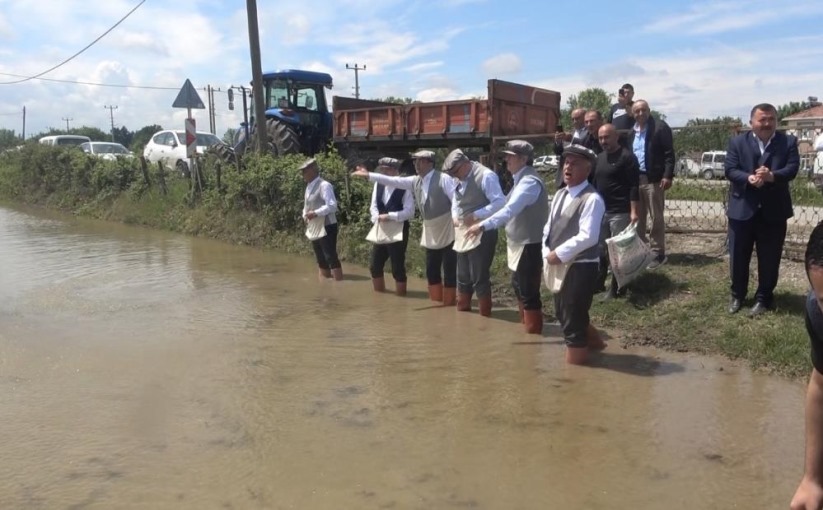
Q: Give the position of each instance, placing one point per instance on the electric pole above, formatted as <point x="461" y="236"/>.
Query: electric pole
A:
<point x="67" y="119"/>
<point x="24" y="123"/>
<point x="356" y="70"/>
<point x="257" y="78"/>
<point x="111" y="109"/>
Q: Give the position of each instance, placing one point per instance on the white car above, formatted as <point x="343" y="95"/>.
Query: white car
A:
<point x="169" y="147"/>
<point x="550" y="161"/>
<point x="106" y="150"/>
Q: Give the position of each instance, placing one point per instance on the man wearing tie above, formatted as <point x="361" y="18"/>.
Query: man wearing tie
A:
<point x="760" y="164"/>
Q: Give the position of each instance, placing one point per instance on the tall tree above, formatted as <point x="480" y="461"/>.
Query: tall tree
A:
<point x="792" y="107"/>
<point x="593" y="98"/>
<point x="702" y="135"/>
<point x="123" y="136"/>
<point x="142" y="137"/>
<point x="8" y="139"/>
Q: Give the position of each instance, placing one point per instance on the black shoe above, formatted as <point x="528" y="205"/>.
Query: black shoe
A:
<point x="758" y="309"/>
<point x="734" y="305"/>
<point x="658" y="261"/>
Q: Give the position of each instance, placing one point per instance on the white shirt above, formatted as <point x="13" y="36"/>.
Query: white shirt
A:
<point x="590" y="218"/>
<point x="326" y="193"/>
<point x="447" y="182"/>
<point x="579" y="135"/>
<point x="521" y="196"/>
<point x="408" y="205"/>
<point x="763" y="146"/>
<point x="490" y="186"/>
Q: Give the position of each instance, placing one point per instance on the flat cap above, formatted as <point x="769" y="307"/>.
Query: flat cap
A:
<point x="579" y="150"/>
<point x="307" y="164"/>
<point x="519" y="148"/>
<point x="454" y="158"/>
<point x="423" y="155"/>
<point x="389" y="162"/>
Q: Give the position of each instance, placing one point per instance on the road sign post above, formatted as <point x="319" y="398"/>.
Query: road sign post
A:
<point x="188" y="98"/>
<point x="191" y="138"/>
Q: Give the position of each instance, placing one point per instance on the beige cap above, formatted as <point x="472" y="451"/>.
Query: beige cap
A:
<point x="423" y="155"/>
<point x="579" y="150"/>
<point x="519" y="148"/>
<point x="307" y="164"/>
<point x="388" y="162"/>
<point x="454" y="158"/>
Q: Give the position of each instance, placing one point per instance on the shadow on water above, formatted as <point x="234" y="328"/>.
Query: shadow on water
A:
<point x="355" y="278"/>
<point x="634" y="364"/>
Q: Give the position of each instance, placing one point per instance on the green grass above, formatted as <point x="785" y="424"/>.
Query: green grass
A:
<point x="802" y="189"/>
<point x="682" y="307"/>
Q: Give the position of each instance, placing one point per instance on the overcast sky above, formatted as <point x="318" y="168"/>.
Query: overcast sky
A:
<point x="688" y="59"/>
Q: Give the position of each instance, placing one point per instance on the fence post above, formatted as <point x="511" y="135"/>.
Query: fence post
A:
<point x="161" y="173"/>
<point x="145" y="169"/>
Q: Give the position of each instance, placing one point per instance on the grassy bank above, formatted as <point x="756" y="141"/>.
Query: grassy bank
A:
<point x="680" y="307"/>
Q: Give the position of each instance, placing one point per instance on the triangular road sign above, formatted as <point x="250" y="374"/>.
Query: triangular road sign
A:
<point x="188" y="97"/>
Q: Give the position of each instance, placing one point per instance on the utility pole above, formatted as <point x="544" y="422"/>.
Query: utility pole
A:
<point x="67" y="119"/>
<point x="24" y="123"/>
<point x="257" y="77"/>
<point x="111" y="109"/>
<point x="356" y="70"/>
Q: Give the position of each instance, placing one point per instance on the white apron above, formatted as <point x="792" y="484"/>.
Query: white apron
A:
<point x="461" y="243"/>
<point x="385" y="232"/>
<point x="553" y="275"/>
<point x="316" y="228"/>
<point x="514" y="252"/>
<point x="438" y="232"/>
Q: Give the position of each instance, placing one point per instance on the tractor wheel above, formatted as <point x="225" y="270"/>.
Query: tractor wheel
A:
<point x="223" y="152"/>
<point x="283" y="138"/>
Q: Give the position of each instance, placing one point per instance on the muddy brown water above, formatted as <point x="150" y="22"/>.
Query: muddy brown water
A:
<point x="141" y="369"/>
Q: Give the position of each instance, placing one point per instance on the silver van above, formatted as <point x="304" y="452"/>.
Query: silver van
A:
<point x="64" y="140"/>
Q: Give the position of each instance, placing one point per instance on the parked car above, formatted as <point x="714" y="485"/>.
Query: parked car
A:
<point x="546" y="162"/>
<point x="64" y="140"/>
<point x="169" y="147"/>
<point x="106" y="150"/>
<point x="712" y="165"/>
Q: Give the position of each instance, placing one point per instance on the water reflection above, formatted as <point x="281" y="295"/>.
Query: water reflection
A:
<point x="143" y="369"/>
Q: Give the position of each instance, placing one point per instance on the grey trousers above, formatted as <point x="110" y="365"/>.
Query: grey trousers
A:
<point x="652" y="203"/>
<point x="473" y="267"/>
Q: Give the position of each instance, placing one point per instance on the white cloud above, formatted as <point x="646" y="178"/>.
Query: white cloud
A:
<point x="725" y="16"/>
<point x="502" y="65"/>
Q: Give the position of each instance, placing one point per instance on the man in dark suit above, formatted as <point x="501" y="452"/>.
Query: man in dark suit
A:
<point x="760" y="164"/>
<point x="652" y="143"/>
<point x="592" y="120"/>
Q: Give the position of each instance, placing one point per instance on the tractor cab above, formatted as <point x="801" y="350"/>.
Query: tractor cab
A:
<point x="298" y="100"/>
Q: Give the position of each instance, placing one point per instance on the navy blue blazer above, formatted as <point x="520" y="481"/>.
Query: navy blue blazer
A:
<point x="773" y="198"/>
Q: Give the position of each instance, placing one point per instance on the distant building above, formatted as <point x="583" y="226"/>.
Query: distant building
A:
<point x="806" y="126"/>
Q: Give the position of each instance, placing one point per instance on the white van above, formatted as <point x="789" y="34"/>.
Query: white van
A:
<point x="64" y="140"/>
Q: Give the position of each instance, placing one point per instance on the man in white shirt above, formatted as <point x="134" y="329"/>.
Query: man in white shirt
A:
<point x="433" y="192"/>
<point x="571" y="239"/>
<point x="390" y="205"/>
<point x="319" y="201"/>
<point x="476" y="197"/>
<point x="525" y="213"/>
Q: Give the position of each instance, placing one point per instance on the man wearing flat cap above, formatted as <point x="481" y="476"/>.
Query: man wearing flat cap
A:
<point x="524" y="216"/>
<point x="433" y="192"/>
<point x="319" y="202"/>
<point x="571" y="241"/>
<point x="476" y="197"/>
<point x="391" y="207"/>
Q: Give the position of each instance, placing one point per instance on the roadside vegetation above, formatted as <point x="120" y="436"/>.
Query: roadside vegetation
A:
<point x="681" y="306"/>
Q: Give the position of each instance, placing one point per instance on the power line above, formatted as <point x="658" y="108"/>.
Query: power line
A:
<point x="74" y="82"/>
<point x="79" y="52"/>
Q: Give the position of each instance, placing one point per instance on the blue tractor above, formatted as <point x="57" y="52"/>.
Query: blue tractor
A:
<point x="298" y="119"/>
